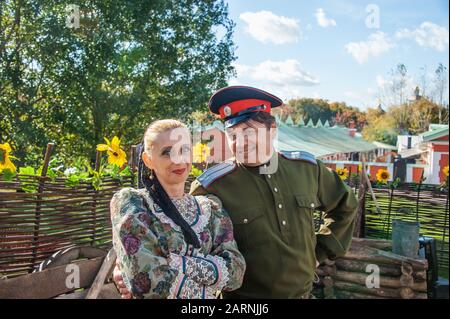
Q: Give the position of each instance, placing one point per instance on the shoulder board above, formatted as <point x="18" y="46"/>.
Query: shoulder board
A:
<point x="215" y="172"/>
<point x="299" y="156"/>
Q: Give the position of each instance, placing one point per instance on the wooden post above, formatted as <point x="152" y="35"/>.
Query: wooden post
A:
<point x="134" y="163"/>
<point x="391" y="198"/>
<point x="103" y="273"/>
<point x="418" y="196"/>
<point x="369" y="185"/>
<point x="445" y="219"/>
<point x="35" y="244"/>
<point x="133" y="158"/>
<point x="98" y="161"/>
<point x="359" y="224"/>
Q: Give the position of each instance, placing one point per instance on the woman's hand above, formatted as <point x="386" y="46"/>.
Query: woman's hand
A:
<point x="118" y="280"/>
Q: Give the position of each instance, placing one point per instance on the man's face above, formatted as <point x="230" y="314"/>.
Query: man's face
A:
<point x="251" y="142"/>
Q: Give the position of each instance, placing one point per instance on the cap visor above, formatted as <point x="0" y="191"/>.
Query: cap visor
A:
<point x="239" y="119"/>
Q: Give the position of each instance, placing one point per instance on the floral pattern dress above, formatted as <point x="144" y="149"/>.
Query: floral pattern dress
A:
<point x="154" y="258"/>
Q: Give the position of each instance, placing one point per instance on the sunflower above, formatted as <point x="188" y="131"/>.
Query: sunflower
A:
<point x="5" y="158"/>
<point x="383" y="175"/>
<point x="200" y="152"/>
<point x="445" y="171"/>
<point x="343" y="173"/>
<point x="116" y="155"/>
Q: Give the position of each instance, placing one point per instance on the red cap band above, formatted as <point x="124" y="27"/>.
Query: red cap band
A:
<point x="241" y="105"/>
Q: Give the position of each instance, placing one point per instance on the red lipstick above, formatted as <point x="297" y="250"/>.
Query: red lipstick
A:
<point x="179" y="171"/>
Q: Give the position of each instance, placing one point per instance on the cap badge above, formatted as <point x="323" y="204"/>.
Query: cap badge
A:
<point x="227" y="110"/>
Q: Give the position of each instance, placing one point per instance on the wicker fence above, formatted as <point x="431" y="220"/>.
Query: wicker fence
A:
<point x="427" y="204"/>
<point x="35" y="225"/>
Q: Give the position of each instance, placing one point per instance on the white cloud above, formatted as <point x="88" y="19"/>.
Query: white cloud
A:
<point x="283" y="78"/>
<point x="428" y="35"/>
<point x="322" y="20"/>
<point x="283" y="72"/>
<point x="376" y="44"/>
<point x="267" y="27"/>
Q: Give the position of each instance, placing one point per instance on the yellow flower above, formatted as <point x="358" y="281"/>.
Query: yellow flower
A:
<point x="116" y="155"/>
<point x="445" y="170"/>
<point x="200" y="152"/>
<point x="383" y="175"/>
<point x="343" y="173"/>
<point x="5" y="162"/>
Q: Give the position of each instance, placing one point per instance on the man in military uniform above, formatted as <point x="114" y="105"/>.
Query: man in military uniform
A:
<point x="273" y="214"/>
<point x="271" y="199"/>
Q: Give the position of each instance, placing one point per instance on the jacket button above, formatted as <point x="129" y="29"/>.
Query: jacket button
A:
<point x="284" y="223"/>
<point x="312" y="205"/>
<point x="245" y="220"/>
<point x="275" y="189"/>
<point x="268" y="176"/>
<point x="280" y="206"/>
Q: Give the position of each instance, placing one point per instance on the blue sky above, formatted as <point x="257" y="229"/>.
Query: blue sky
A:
<point x="337" y="50"/>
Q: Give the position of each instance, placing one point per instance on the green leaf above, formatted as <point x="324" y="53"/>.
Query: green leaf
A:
<point x="195" y="172"/>
<point x="126" y="171"/>
<point x="27" y="170"/>
<point x="72" y="181"/>
<point x="8" y="175"/>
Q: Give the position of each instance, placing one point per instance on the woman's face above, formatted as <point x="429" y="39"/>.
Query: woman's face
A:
<point x="171" y="156"/>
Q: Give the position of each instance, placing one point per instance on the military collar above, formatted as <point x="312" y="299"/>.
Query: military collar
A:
<point x="256" y="169"/>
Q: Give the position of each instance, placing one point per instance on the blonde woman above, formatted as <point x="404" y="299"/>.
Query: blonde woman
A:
<point x="170" y="244"/>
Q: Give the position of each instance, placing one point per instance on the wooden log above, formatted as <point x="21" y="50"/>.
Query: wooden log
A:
<point x="328" y="262"/>
<point x="49" y="282"/>
<point x="344" y="294"/>
<point x="325" y="270"/>
<point x="387" y="282"/>
<point x="406" y="293"/>
<point x="104" y="272"/>
<point x="327" y="281"/>
<point x="386" y="269"/>
<point x="65" y="256"/>
<point x="328" y="292"/>
<point x="361" y="266"/>
<point x="109" y="291"/>
<point x="375" y="243"/>
<point x="380" y="292"/>
<point x="377" y="256"/>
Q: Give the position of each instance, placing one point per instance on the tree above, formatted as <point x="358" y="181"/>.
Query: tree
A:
<point x="127" y="64"/>
<point x="440" y="82"/>
<point x="423" y="113"/>
<point x="381" y="127"/>
<point x="392" y="90"/>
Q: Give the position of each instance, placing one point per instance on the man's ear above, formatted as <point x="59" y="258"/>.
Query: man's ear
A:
<point x="273" y="132"/>
<point x="147" y="160"/>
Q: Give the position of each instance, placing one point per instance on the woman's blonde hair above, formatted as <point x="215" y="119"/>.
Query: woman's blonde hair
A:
<point x="156" y="128"/>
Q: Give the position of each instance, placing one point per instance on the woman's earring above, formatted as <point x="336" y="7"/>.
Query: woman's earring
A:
<point x="151" y="174"/>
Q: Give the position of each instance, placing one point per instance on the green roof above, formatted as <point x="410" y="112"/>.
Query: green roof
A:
<point x="436" y="131"/>
<point x="385" y="146"/>
<point x="320" y="141"/>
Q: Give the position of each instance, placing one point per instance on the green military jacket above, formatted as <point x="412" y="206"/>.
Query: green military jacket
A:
<point x="273" y="220"/>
